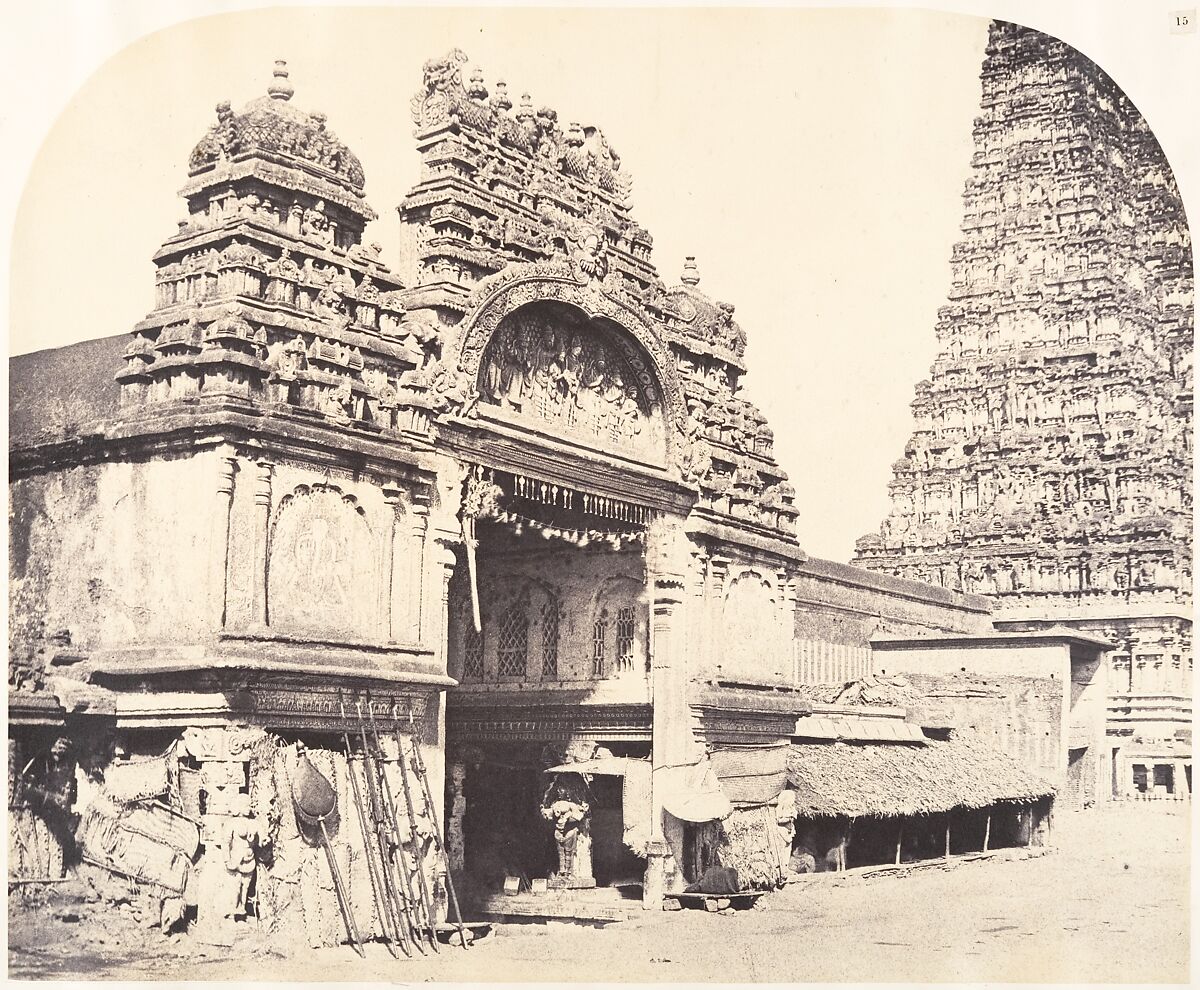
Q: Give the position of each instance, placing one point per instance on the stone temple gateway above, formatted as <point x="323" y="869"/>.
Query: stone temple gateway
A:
<point x="1050" y="464"/>
<point x="341" y="593"/>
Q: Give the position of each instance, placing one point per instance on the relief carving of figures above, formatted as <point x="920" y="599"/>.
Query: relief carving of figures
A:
<point x="283" y="274"/>
<point x="42" y="796"/>
<point x="569" y="375"/>
<point x="314" y="224"/>
<point x="591" y="255"/>
<point x="450" y="391"/>
<point x="443" y="86"/>
<point x="322" y="564"/>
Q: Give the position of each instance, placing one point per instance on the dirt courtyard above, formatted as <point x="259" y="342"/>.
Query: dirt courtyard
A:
<point x="1108" y="904"/>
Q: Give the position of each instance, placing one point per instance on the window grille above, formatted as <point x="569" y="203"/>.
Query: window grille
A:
<point x="599" y="634"/>
<point x="550" y="639"/>
<point x="625" y="627"/>
<point x="472" y="654"/>
<point x="512" y="641"/>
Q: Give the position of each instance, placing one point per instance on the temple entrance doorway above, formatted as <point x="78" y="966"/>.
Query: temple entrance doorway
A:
<point x="549" y="641"/>
<point x="531" y="830"/>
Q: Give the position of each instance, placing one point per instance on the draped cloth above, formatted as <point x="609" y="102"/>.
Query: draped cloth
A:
<point x="636" y="805"/>
<point x="693" y="793"/>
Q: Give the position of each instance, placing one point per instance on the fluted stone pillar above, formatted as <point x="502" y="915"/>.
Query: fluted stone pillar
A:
<point x="390" y="585"/>
<point x="262" y="520"/>
<point x="218" y="578"/>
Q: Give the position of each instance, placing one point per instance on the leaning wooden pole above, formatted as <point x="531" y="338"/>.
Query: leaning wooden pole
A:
<point x="899" y="841"/>
<point x="418" y="766"/>
<point x="987" y="831"/>
<point x="947" y="836"/>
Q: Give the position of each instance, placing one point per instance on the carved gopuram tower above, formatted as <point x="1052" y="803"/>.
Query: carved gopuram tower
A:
<point x="1050" y="464"/>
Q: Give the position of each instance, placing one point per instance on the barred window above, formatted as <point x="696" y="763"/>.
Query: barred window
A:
<point x="512" y="640"/>
<point x="625" y="628"/>
<point x="550" y="639"/>
<point x="472" y="654"/>
<point x="599" y="634"/>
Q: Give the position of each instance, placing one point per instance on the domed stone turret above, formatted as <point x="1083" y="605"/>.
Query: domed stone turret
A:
<point x="266" y="294"/>
<point x="271" y="127"/>
<point x="283" y="164"/>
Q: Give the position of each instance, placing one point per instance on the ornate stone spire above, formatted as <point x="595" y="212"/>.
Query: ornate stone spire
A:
<point x="281" y="88"/>
<point x="1049" y="463"/>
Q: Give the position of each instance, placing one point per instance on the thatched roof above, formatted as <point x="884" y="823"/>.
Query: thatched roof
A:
<point x="893" y="692"/>
<point x="881" y="780"/>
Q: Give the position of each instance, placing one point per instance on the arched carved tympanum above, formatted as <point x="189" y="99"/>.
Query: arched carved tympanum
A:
<point x="547" y="364"/>
<point x="619" y="321"/>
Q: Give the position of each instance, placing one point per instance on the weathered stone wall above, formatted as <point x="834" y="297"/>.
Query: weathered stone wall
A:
<point x="837" y="603"/>
<point x="107" y="554"/>
<point x="1043" y="703"/>
<point x="1020" y="715"/>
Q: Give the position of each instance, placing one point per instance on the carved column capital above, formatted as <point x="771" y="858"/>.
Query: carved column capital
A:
<point x="444" y="552"/>
<point x="391" y="493"/>
<point x="262" y="481"/>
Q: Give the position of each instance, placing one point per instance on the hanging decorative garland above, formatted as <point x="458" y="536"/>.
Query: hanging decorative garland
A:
<point x="578" y="537"/>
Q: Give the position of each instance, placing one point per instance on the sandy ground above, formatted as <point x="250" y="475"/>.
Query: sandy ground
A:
<point x="1109" y="904"/>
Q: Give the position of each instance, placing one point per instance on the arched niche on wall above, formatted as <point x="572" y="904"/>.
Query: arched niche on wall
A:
<point x="619" y="624"/>
<point x="750" y="624"/>
<point x="323" y="568"/>
<point x="520" y="636"/>
<point x="554" y="369"/>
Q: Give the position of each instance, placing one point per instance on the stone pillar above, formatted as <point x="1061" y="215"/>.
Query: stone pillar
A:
<point x="785" y="633"/>
<point x="388" y="616"/>
<point x="456" y="813"/>
<point x="417" y="534"/>
<point x="437" y="623"/>
<point x="666" y="689"/>
<point x="262" y="521"/>
<point x="719" y="574"/>
<point x="699" y="624"/>
<point x="218" y="579"/>
<point x="671" y="737"/>
<point x="789" y="633"/>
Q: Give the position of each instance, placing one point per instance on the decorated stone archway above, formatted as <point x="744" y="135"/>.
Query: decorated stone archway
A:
<point x="641" y="348"/>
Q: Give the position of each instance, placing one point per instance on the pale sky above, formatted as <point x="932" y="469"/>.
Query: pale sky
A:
<point x="813" y="161"/>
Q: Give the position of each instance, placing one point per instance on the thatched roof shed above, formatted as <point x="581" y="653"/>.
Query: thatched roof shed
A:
<point x="884" y="780"/>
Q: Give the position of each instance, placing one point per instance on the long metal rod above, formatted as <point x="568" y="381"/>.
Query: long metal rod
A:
<point x="426" y="900"/>
<point x="391" y="897"/>
<point x="380" y="902"/>
<point x="419" y="769"/>
<point x="414" y="847"/>
<point x="396" y="853"/>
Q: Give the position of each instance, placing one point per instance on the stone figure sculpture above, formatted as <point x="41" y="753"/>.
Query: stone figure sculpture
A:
<point x="243" y="838"/>
<point x="571" y="815"/>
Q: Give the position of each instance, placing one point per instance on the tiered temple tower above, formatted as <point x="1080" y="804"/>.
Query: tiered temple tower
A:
<point x="1050" y="464"/>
